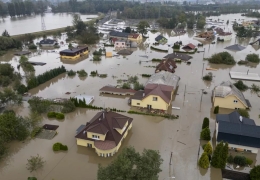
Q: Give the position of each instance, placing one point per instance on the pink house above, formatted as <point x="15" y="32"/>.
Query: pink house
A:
<point x="120" y="44"/>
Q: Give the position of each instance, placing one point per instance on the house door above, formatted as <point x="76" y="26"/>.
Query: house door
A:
<point x="89" y="145"/>
<point x="149" y="106"/>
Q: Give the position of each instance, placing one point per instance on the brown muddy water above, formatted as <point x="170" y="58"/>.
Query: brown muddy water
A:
<point x="181" y="137"/>
<point x="29" y="24"/>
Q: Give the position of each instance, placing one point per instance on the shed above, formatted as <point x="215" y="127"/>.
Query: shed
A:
<point x="109" y="54"/>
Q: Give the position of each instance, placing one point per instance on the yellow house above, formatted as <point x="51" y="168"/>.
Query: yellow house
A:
<point x="226" y="95"/>
<point x="74" y="53"/>
<point x="105" y="132"/>
<point x="157" y="93"/>
<point x="135" y="37"/>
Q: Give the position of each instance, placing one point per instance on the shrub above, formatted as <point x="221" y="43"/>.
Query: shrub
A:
<point x="255" y="173"/>
<point x="204" y="161"/>
<point x="60" y="116"/>
<point x="240" y="85"/>
<point x="216" y="110"/>
<point x="58" y="146"/>
<point x="208" y="77"/>
<point x="32" y="178"/>
<point x="243" y="112"/>
<point x="249" y="161"/>
<point x="32" y="46"/>
<point x="34" y="163"/>
<point x="230" y="159"/>
<point x="138" y="86"/>
<point x="156" y="60"/>
<point x="255" y="88"/>
<point x="82" y="73"/>
<point x="241" y="62"/>
<point x="126" y="86"/>
<point x="208" y="148"/>
<point x="254" y="58"/>
<point x="240" y="160"/>
<point x="71" y="73"/>
<point x="222" y="58"/>
<point x="51" y="114"/>
<point x="176" y="46"/>
<point x="96" y="58"/>
<point x="22" y="89"/>
<point x="205" y="134"/>
<point x="146" y="75"/>
<point x="205" y="123"/>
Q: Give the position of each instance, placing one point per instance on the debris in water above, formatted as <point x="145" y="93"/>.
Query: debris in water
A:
<point x="67" y="93"/>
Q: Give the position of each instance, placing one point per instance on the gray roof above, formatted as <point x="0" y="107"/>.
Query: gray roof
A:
<point x="164" y="78"/>
<point x="119" y="34"/>
<point x="235" y="47"/>
<point x="125" y="52"/>
<point x="159" y="37"/>
<point x="80" y="128"/>
<point x="182" y="56"/>
<point x="234" y="118"/>
<point x="238" y="130"/>
<point x="47" y="41"/>
<point x="226" y="89"/>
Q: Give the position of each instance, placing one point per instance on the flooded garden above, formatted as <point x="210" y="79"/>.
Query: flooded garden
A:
<point x="179" y="137"/>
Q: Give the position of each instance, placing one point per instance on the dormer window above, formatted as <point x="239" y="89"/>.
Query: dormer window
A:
<point x="95" y="137"/>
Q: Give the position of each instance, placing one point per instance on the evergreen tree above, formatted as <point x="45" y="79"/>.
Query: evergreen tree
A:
<point x="205" y="134"/>
<point x="205" y="123"/>
<point x="204" y="161"/>
<point x="5" y="33"/>
<point x="17" y="9"/>
<point x="224" y="155"/>
<point x="11" y="9"/>
<point x="208" y="148"/>
<point x="220" y="154"/>
<point x="255" y="173"/>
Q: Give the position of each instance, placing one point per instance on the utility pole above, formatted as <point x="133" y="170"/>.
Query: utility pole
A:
<point x="43" y="23"/>
<point x="202" y="70"/>
<point x="201" y="98"/>
<point x="203" y="53"/>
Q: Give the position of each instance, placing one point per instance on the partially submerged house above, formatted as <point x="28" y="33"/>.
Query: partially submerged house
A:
<point x="118" y="91"/>
<point x="241" y="133"/>
<point x="135" y="37"/>
<point x="104" y="132"/>
<point x="161" y="39"/>
<point x="189" y="47"/>
<point x="225" y="36"/>
<point x="176" y="32"/>
<point x="119" y="44"/>
<point x="74" y="53"/>
<point x="125" y="36"/>
<point x="208" y="35"/>
<point x="226" y="95"/>
<point x="48" y="43"/>
<point x="178" y="56"/>
<point x="166" y="65"/>
<point x="158" y="91"/>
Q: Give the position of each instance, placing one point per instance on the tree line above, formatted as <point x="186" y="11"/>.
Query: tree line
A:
<point x="22" y="8"/>
<point x="42" y="78"/>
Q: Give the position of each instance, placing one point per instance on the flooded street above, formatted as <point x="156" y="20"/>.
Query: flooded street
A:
<point x="181" y="136"/>
<point x="29" y="24"/>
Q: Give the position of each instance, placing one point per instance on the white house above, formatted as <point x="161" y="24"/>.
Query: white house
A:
<point x="120" y="44"/>
<point x="225" y="36"/>
<point x="241" y="134"/>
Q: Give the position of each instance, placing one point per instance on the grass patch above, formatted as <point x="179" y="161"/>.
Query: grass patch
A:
<point x="157" y="49"/>
<point x="168" y="116"/>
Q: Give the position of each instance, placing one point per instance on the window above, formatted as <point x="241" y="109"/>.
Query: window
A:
<point x="138" y="103"/>
<point x="235" y="101"/>
<point x="95" y="137"/>
<point x="154" y="98"/>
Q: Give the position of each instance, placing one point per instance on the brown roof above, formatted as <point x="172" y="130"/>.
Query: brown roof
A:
<point x="105" y="145"/>
<point x="134" y="36"/>
<point x="225" y="33"/>
<point x="181" y="56"/>
<point x="189" y="46"/>
<point x="138" y="95"/>
<point x="118" y="90"/>
<point x="166" y="65"/>
<point x="102" y="122"/>
<point x="164" y="91"/>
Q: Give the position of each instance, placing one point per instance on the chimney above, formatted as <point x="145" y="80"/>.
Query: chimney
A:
<point x="103" y="115"/>
<point x="241" y="119"/>
<point x="143" y="94"/>
<point x="84" y="132"/>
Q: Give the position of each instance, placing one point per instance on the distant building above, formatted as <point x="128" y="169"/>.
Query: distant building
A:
<point x="120" y="44"/>
<point x="74" y="53"/>
<point x="48" y="43"/>
<point x="176" y="32"/>
<point x="125" y="36"/>
<point x="178" y="56"/>
<point x="135" y="37"/>
<point x="189" y="46"/>
<point x="226" y="95"/>
<point x="166" y="65"/>
<point x="157" y="93"/>
<point x="225" y="36"/>
<point x="241" y="133"/>
<point x="104" y="132"/>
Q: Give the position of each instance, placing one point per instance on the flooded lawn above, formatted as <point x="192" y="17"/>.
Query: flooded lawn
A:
<point x="179" y="137"/>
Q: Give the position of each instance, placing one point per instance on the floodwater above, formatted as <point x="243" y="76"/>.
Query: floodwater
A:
<point x="29" y="24"/>
<point x="179" y="137"/>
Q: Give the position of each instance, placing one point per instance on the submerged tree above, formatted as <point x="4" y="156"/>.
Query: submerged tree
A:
<point x="142" y="27"/>
<point x="34" y="163"/>
<point x="5" y="33"/>
<point x="133" y="166"/>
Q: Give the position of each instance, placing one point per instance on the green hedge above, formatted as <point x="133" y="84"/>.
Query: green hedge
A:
<point x="146" y="75"/>
<point x="58" y="146"/>
<point x="36" y="131"/>
<point x="168" y="116"/>
<point x="55" y="115"/>
<point x="162" y="50"/>
<point x="156" y="60"/>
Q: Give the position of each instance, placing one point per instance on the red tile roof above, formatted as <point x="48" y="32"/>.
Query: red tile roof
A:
<point x="105" y="122"/>
<point x="105" y="145"/>
<point x="166" y="65"/>
<point x="190" y="45"/>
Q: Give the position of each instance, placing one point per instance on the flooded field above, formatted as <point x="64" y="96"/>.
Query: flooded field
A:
<point x="179" y="137"/>
<point x="22" y="25"/>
